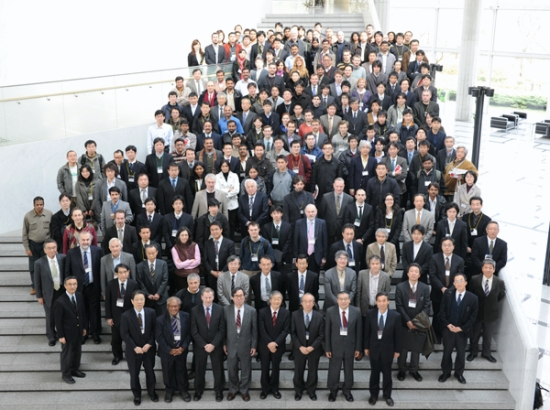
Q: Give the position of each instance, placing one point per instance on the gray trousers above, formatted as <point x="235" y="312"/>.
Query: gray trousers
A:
<point x="233" y="361"/>
<point x="333" y="378"/>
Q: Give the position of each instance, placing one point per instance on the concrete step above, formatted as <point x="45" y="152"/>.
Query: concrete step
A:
<point x="12" y="249"/>
<point x="13" y="264"/>
<point x="404" y="399"/>
<point x="105" y="381"/>
<point x="16" y="293"/>
<point x="10" y="239"/>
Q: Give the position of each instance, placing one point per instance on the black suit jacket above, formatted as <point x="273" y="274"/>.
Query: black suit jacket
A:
<point x="203" y="228"/>
<point x="277" y="283"/>
<point x="268" y="333"/>
<point x="70" y="322"/>
<point x="403" y="296"/>
<point x="131" y="332"/>
<point x="164" y="334"/>
<point x="227" y="248"/>
<point x="292" y="286"/>
<point x="135" y="200"/>
<point x="260" y="210"/>
<point x="293" y="208"/>
<point x="481" y="248"/>
<point x="112" y="293"/>
<point x="202" y="333"/>
<point x="172" y="224"/>
<point x="139" y="252"/>
<point x="130" y="237"/>
<point x="274" y="120"/>
<point x="339" y="246"/>
<point x="469" y="308"/>
<point x="234" y="165"/>
<point x="480" y="227"/>
<point x="151" y="166"/>
<point x="442" y="159"/>
<point x="125" y="174"/>
<point x="74" y="266"/>
<point x="366" y="229"/>
<point x="301" y="239"/>
<point x="439" y="213"/>
<point x="187" y="112"/>
<point x="316" y="331"/>
<point x="284" y="238"/>
<point x="488" y="305"/>
<point x="157" y="227"/>
<point x="267" y="82"/>
<point x="459" y="235"/>
<point x="166" y="193"/>
<point x="437" y="273"/>
<point x="423" y="258"/>
<point x="382" y="349"/>
<point x="58" y="225"/>
<point x="357" y="126"/>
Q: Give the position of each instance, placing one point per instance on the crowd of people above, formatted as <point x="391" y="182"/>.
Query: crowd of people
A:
<point x="315" y="154"/>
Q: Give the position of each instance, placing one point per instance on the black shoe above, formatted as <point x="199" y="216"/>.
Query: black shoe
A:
<point x="197" y="397"/>
<point x="416" y="376"/>
<point x="348" y="397"/>
<point x="312" y="396"/>
<point x="84" y="340"/>
<point x="290" y="356"/>
<point x="78" y="374"/>
<point x="191" y="375"/>
<point x="490" y="358"/>
<point x="332" y="397"/>
<point x="51" y="343"/>
<point x="389" y="402"/>
<point x="219" y="397"/>
<point x="257" y="358"/>
<point x="137" y="401"/>
<point x="263" y="395"/>
<point x="154" y="397"/>
<point x="297" y="397"/>
<point x="97" y="340"/>
<point x="277" y="395"/>
<point x="460" y="378"/>
<point x="401" y="376"/>
<point x="443" y="378"/>
<point x="372" y="400"/>
<point x="185" y="396"/>
<point x="471" y="357"/>
<point x="68" y="380"/>
<point x="115" y="361"/>
<point x="168" y="398"/>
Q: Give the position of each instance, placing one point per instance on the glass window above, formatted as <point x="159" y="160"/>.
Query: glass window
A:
<point x="449" y="28"/>
<point x="522" y="31"/>
<point x="418" y="20"/>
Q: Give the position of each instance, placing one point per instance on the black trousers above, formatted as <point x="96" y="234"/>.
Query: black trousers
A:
<point x="270" y="381"/>
<point x="174" y="373"/>
<point x="37" y="249"/>
<point x="450" y="342"/>
<point x="300" y="361"/>
<point x="312" y="264"/>
<point x="93" y="309"/>
<point x="135" y="361"/>
<point x="378" y="366"/>
<point x="436" y="322"/>
<point x="201" y="358"/>
<point x="333" y="377"/>
<point x="116" y="341"/>
<point x="70" y="357"/>
<point x="51" y="334"/>
<point x="485" y="329"/>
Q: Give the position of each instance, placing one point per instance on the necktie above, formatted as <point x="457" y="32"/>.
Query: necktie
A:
<point x="337" y="204"/>
<point x="174" y="183"/>
<point x="140" y="322"/>
<point x="208" y="316"/>
<point x="330" y="124"/>
<point x="143" y="195"/>
<point x="447" y="268"/>
<point x="121" y="234"/>
<point x="267" y="286"/>
<point x="360" y="212"/>
<point x="250" y="204"/>
<point x="410" y="158"/>
<point x="486" y="287"/>
<point x="55" y="276"/>
<point x="310" y="236"/>
<point x="459" y="301"/>
<point x="198" y="87"/>
<point x="302" y="283"/>
<point x="175" y="329"/>
<point x="354" y="115"/>
<point x="348" y="249"/>
<point x="122" y="290"/>
<point x="491" y="247"/>
<point x="217" y="245"/>
<point x="277" y="229"/>
<point x="344" y="320"/>
<point x="314" y="90"/>
<point x="244" y="117"/>
<point x="447" y="264"/>
<point x="86" y="279"/>
<point x="414" y="289"/>
<point x="393" y="165"/>
<point x="325" y="103"/>
<point x="274" y="319"/>
<point x="382" y="255"/>
<point x="193" y="298"/>
<point x="152" y="270"/>
<point x="418" y="218"/>
<point x="238" y="321"/>
<point x="74" y="302"/>
<point x="268" y="146"/>
<point x="307" y="321"/>
<point x="150" y="217"/>
<point x="232" y="283"/>
<point x="381" y="323"/>
<point x="131" y="167"/>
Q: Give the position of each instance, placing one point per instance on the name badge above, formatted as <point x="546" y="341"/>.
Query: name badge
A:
<point x="217" y="260"/>
<point x="143" y="205"/>
<point x="488" y="256"/>
<point x="307" y="335"/>
<point x="254" y="259"/>
<point x="296" y="170"/>
<point x="311" y="242"/>
<point x="447" y="273"/>
<point x="275" y="241"/>
<point x="142" y="331"/>
<point x="342" y="148"/>
<point x="301" y="211"/>
<point x="90" y="197"/>
<point x="112" y="216"/>
<point x="120" y="303"/>
<point x="388" y="230"/>
<point x="412" y="303"/>
<point x="177" y="338"/>
<point x="474" y="232"/>
<point x="365" y="173"/>
<point x="382" y="266"/>
<point x="357" y="222"/>
<point x="351" y="264"/>
<point x="174" y="233"/>
<point x="427" y="183"/>
<point x="159" y="170"/>
<point x="130" y="179"/>
<point x="343" y="332"/>
<point x="88" y="270"/>
<point x="242" y="174"/>
<point x="380" y="334"/>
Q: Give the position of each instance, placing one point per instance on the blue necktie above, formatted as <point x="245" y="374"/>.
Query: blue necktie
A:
<point x="122" y="290"/>
<point x="349" y="252"/>
<point x="175" y="329"/>
<point x="459" y="301"/>
<point x="302" y="283"/>
<point x="174" y="183"/>
<point x="381" y="323"/>
<point x="86" y="280"/>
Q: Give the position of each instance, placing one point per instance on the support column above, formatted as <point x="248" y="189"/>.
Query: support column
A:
<point x="383" y="9"/>
<point x="467" y="69"/>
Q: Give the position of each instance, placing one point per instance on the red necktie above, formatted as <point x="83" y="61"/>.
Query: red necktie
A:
<point x="238" y="322"/>
<point x="208" y="316"/>
<point x="274" y="319"/>
<point x="344" y="320"/>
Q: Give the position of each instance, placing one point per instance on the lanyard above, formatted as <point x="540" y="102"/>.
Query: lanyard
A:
<point x="257" y="250"/>
<point x="479" y="220"/>
<point x="391" y="222"/>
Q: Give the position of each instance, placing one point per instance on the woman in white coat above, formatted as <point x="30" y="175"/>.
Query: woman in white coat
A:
<point x="465" y="192"/>
<point x="228" y="182"/>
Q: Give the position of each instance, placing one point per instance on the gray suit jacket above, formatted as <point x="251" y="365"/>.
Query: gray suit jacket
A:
<point x="343" y="346"/>
<point x="193" y="87"/>
<point x="224" y="287"/>
<point x="106" y="221"/>
<point x="159" y="285"/>
<point x="240" y="344"/>
<point x="335" y="123"/>
<point x="100" y="193"/>
<point x="400" y="179"/>
<point x="200" y="204"/>
<point x="362" y="298"/>
<point x="107" y="271"/>
<point x="426" y="220"/>
<point x="332" y="286"/>
<point x="327" y="211"/>
<point x="43" y="280"/>
<point x="391" y="257"/>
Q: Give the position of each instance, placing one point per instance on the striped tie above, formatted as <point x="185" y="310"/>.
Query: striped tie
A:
<point x="486" y="288"/>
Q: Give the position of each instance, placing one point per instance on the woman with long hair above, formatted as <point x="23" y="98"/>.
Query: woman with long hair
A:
<point x="196" y="56"/>
<point x="228" y="182"/>
<point x="389" y="216"/>
<point x="197" y="177"/>
<point x="354" y="42"/>
<point x="186" y="256"/>
<point x="300" y="67"/>
<point x="84" y="189"/>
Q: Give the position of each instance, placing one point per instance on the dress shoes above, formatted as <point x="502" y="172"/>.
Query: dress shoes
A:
<point x="297" y="397"/>
<point x="78" y="374"/>
<point x="68" y="380"/>
<point x="372" y="400"/>
<point x="348" y="396"/>
<point x="290" y="356"/>
<point x="257" y="358"/>
<point x="401" y="376"/>
<point x="137" y="401"/>
<point x="416" y="376"/>
<point x="230" y="396"/>
<point x="97" y="340"/>
<point x="460" y="378"/>
<point x="312" y="396"/>
<point x="84" y="340"/>
<point x="115" y="361"/>
<point x="263" y="395"/>
<point x="191" y="375"/>
<point x="246" y="397"/>
<point x="277" y="395"/>
<point x="490" y="358"/>
<point x="443" y="378"/>
<point x="154" y="397"/>
<point x="33" y="291"/>
<point x="185" y="396"/>
<point x="332" y="397"/>
<point x="197" y="396"/>
<point x="219" y="397"/>
<point x="168" y="398"/>
<point x="51" y="343"/>
<point x="389" y="402"/>
<point x="471" y="357"/>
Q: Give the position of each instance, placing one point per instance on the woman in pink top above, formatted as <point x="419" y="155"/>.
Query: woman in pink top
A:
<point x="186" y="256"/>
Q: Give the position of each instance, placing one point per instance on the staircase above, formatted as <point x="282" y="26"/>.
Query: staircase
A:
<point x="30" y="375"/>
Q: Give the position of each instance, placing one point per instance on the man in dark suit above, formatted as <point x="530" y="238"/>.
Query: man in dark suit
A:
<point x="154" y="221"/>
<point x="48" y="283"/>
<point x="137" y="196"/>
<point x="307" y="331"/>
<point x="215" y="253"/>
<point x="490" y="247"/>
<point x="169" y="187"/>
<point x="121" y="230"/>
<point x="84" y="262"/>
<point x="138" y="249"/>
<point x="274" y="326"/>
<point x="357" y="119"/>
<point x="310" y="238"/>
<point x="272" y="80"/>
<point x="258" y="212"/>
<point x="295" y="202"/>
<point x="343" y="344"/>
<point x="348" y="244"/>
<point x="411" y="299"/>
<point x="454" y="228"/>
<point x="476" y="222"/>
<point x="489" y="290"/>
<point x="111" y="261"/>
<point x="382" y="345"/>
<point x="446" y="155"/>
<point x="173" y="334"/>
<point x="279" y="233"/>
<point x="417" y="251"/>
<point x="118" y="299"/>
<point x="152" y="276"/>
<point x="246" y="117"/>
<point x="132" y="168"/>
<point x="435" y="203"/>
<point x="157" y="163"/>
<point x="301" y="281"/>
<point x="458" y="314"/>
<point x="265" y="282"/>
<point x="443" y="268"/>
<point x="208" y="330"/>
<point x="204" y="222"/>
<point x="215" y="52"/>
<point x="362" y="216"/>
<point x="70" y="321"/>
<point x="175" y="220"/>
<point x="137" y="328"/>
<point x="332" y="210"/>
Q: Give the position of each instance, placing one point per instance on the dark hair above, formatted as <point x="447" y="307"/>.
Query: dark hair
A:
<point x="90" y="178"/>
<point x="419" y="228"/>
<point x="64" y="196"/>
<point x="114" y="189"/>
<point x="184" y="229"/>
<point x="472" y="173"/>
<point x="451" y="205"/>
<point x="476" y="198"/>
<point x="122" y="265"/>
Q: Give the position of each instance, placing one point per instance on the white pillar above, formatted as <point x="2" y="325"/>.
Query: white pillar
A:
<point x="467" y="69"/>
<point x="383" y="11"/>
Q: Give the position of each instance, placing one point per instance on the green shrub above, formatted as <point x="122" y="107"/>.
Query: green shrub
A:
<point x="535" y="102"/>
